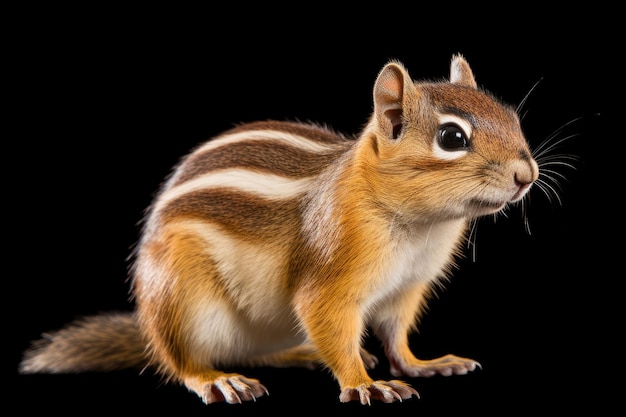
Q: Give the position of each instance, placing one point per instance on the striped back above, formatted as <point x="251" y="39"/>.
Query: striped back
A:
<point x="245" y="177"/>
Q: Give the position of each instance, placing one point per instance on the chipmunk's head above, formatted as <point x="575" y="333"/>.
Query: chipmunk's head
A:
<point x="447" y="149"/>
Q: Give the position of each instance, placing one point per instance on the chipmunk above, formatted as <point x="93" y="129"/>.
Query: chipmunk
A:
<point x="281" y="243"/>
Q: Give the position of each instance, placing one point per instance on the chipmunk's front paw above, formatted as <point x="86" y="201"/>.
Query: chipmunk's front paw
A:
<point x="446" y="365"/>
<point x="385" y="391"/>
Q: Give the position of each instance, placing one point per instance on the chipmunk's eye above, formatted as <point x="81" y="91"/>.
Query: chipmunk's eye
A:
<point x="452" y="138"/>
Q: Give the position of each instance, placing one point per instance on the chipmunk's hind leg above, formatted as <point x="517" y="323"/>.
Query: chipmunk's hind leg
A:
<point x="192" y="329"/>
<point x="304" y="356"/>
<point x="216" y="386"/>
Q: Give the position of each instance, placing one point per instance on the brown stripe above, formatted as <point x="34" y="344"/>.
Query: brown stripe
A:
<point x="268" y="156"/>
<point x="248" y="216"/>
<point x="478" y="107"/>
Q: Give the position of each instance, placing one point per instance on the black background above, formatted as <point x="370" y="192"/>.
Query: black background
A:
<point x="105" y="102"/>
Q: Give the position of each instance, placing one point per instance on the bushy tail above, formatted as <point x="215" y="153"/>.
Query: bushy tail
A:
<point x="104" y="342"/>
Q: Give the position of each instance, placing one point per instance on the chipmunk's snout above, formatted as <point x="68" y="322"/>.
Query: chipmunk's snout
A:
<point x="525" y="173"/>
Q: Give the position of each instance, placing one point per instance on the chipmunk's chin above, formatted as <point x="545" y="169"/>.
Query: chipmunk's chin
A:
<point x="481" y="207"/>
<point x="484" y="205"/>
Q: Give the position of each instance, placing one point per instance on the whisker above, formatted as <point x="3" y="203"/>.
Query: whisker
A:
<point x="546" y="146"/>
<point x="523" y="204"/>
<point x="548" y="173"/>
<point x="523" y="102"/>
<point x="549" y="191"/>
<point x="554" y="134"/>
<point x="559" y="157"/>
<point x="527" y="225"/>
<point x="471" y="239"/>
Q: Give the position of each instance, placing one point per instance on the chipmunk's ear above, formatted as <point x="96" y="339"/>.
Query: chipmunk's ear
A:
<point x="461" y="73"/>
<point x="393" y="89"/>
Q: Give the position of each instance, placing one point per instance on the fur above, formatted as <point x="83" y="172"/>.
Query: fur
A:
<point x="281" y="243"/>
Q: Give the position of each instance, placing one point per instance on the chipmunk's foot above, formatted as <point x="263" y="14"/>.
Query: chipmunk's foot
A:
<point x="446" y="365"/>
<point x="385" y="391"/>
<point x="231" y="388"/>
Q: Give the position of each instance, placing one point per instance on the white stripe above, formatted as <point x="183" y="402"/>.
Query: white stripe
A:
<point x="254" y="135"/>
<point x="264" y="185"/>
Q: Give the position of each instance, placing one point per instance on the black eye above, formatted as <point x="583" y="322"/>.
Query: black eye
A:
<point x="452" y="138"/>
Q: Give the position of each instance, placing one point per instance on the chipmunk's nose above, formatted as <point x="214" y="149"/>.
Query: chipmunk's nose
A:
<point x="522" y="180"/>
<point x="525" y="172"/>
